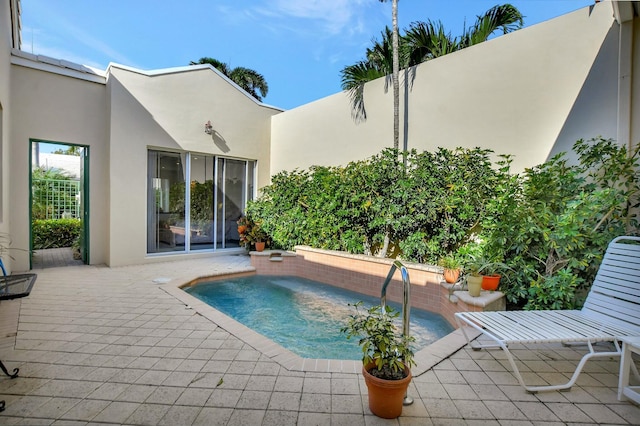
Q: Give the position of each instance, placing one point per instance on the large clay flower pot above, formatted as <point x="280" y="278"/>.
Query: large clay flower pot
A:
<point x="386" y="396"/>
<point x="260" y="245"/>
<point x="490" y="282"/>
<point x="474" y="285"/>
<point x="451" y="275"/>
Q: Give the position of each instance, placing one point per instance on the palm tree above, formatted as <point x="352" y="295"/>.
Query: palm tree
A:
<point x="395" y="48"/>
<point x="249" y="80"/>
<point x="423" y="41"/>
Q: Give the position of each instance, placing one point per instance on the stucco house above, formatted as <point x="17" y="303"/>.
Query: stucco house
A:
<point x="156" y="186"/>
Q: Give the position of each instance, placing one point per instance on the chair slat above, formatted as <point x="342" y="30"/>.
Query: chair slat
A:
<point x="611" y="311"/>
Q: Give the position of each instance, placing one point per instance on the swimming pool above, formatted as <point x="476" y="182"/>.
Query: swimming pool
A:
<point x="304" y="316"/>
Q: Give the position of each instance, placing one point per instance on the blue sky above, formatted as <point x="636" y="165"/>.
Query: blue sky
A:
<point x="300" y="46"/>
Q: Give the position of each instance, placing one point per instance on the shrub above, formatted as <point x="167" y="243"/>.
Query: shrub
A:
<point x="552" y="223"/>
<point x="55" y="233"/>
<point x="418" y="206"/>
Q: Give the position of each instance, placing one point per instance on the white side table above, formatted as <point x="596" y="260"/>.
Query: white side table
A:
<point x="630" y="345"/>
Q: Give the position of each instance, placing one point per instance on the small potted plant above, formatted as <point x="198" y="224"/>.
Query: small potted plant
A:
<point x="491" y="275"/>
<point x="387" y="357"/>
<point x="451" y="268"/>
<point x="473" y="278"/>
<point x="251" y="233"/>
<point x="482" y="275"/>
<point x="258" y="235"/>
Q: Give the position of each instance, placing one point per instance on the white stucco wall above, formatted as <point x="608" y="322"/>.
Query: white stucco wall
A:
<point x="167" y="111"/>
<point x="635" y="85"/>
<point x="5" y="68"/>
<point x="57" y="108"/>
<point x="528" y="93"/>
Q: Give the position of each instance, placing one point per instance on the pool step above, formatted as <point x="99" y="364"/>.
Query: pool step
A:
<point x="275" y="257"/>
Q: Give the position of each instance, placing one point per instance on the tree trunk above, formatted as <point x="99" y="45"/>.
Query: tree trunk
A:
<point x="385" y="245"/>
<point x="396" y="73"/>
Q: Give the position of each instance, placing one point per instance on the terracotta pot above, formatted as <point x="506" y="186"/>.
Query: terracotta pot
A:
<point x="490" y="282"/>
<point x="451" y="275"/>
<point x="474" y="285"/>
<point x="259" y="245"/>
<point x="386" y="396"/>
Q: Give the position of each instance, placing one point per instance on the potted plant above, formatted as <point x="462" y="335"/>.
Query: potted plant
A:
<point x="259" y="236"/>
<point x="252" y="233"/>
<point x="451" y="268"/>
<point x="387" y="358"/>
<point x="483" y="275"/>
<point x="473" y="278"/>
<point x="491" y="277"/>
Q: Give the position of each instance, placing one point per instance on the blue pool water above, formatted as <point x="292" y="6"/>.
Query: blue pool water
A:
<point x="305" y="316"/>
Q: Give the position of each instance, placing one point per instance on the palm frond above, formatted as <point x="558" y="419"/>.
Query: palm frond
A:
<point x="219" y="65"/>
<point x="251" y="81"/>
<point x="354" y="78"/>
<point x="428" y="40"/>
<point x="505" y="17"/>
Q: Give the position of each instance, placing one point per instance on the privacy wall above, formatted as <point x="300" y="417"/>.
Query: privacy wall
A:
<point x="530" y="93"/>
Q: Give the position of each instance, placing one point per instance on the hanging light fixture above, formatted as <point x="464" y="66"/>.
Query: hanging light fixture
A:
<point x="208" y="128"/>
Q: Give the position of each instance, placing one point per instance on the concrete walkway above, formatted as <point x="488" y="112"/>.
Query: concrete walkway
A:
<point x="99" y="345"/>
<point x="53" y="258"/>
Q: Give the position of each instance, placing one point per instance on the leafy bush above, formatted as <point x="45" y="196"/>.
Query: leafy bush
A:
<point x="419" y="206"/>
<point x="55" y="233"/>
<point x="552" y="224"/>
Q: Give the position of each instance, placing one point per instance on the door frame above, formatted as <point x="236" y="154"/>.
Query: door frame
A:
<point x="84" y="194"/>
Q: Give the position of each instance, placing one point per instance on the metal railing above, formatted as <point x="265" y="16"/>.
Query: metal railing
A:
<point x="406" y="303"/>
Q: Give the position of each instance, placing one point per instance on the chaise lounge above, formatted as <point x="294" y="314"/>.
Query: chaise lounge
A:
<point x="610" y="312"/>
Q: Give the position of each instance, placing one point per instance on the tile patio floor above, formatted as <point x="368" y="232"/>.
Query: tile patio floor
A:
<point x="98" y="345"/>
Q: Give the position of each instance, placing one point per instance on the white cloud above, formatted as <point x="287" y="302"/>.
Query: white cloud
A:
<point x="335" y="16"/>
<point x="306" y="17"/>
<point x="329" y="30"/>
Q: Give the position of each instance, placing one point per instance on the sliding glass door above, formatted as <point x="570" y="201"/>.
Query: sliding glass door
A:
<point x="165" y="202"/>
<point x="201" y="215"/>
<point x="234" y="189"/>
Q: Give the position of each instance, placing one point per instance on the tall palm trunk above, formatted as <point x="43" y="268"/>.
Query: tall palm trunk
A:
<point x="395" y="76"/>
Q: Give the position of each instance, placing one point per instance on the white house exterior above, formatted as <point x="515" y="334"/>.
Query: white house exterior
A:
<point x="530" y="93"/>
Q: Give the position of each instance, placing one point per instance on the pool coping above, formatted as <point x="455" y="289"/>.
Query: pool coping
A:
<point x="425" y="358"/>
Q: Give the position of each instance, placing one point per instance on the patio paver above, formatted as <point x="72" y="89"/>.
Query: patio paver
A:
<point x="114" y="346"/>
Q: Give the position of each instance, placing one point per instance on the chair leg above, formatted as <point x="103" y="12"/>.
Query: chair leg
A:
<point x="12" y="376"/>
<point x="574" y="377"/>
<point x="5" y="371"/>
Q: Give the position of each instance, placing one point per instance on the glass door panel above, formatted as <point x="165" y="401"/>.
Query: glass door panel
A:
<point x="235" y="200"/>
<point x="165" y="202"/>
<point x="201" y="197"/>
<point x="231" y="198"/>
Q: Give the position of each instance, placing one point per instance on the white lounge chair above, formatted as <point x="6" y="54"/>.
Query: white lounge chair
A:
<point x="611" y="311"/>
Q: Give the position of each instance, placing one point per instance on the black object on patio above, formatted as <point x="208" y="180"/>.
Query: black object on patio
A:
<point x="13" y="287"/>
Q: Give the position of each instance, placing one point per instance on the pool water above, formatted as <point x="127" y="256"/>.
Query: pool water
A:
<point x="305" y="316"/>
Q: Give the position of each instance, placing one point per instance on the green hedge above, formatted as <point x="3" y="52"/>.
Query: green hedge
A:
<point x="418" y="206"/>
<point x="550" y="224"/>
<point x="55" y="233"/>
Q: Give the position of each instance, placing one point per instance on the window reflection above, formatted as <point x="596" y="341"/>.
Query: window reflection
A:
<point x="213" y="208"/>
